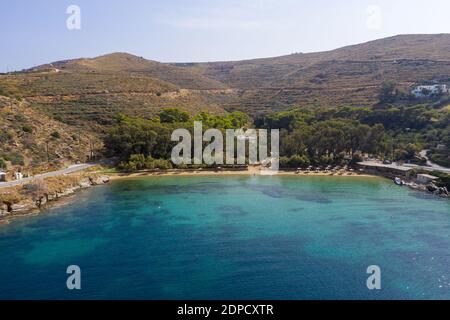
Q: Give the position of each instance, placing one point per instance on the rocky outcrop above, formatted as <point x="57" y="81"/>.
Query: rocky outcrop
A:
<point x="3" y="210"/>
<point x="99" y="180"/>
<point x="39" y="200"/>
<point x="432" y="188"/>
<point x="26" y="206"/>
<point x="440" y="191"/>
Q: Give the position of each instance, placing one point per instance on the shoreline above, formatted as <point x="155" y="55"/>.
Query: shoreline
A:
<point x="185" y="173"/>
<point x="33" y="204"/>
<point x="63" y="201"/>
<point x="69" y="195"/>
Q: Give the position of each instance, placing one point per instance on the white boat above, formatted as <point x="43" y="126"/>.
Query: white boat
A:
<point x="398" y="181"/>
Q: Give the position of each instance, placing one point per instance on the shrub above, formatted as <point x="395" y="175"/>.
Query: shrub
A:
<point x="2" y="164"/>
<point x="162" y="164"/>
<point x="296" y="161"/>
<point x="20" y="118"/>
<point x="26" y="128"/>
<point x="173" y="115"/>
<point x="5" y="136"/>
<point x="139" y="162"/>
<point x="182" y="166"/>
<point x="9" y="196"/>
<point x="56" y="135"/>
<point x="15" y="158"/>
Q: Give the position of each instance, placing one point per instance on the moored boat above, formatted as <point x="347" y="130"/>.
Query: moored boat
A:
<point x="398" y="181"/>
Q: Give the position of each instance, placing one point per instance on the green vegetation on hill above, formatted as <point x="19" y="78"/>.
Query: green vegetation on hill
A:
<point x="308" y="136"/>
<point x="331" y="106"/>
<point x="395" y="133"/>
<point x="146" y="144"/>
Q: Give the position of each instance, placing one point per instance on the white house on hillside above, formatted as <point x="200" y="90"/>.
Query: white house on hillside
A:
<point x="18" y="175"/>
<point x="425" y="91"/>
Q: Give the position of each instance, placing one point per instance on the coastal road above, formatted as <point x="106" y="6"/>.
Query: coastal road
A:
<point x="405" y="167"/>
<point x="432" y="165"/>
<point x="70" y="169"/>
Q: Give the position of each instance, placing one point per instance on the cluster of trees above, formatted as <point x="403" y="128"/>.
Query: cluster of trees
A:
<point x="308" y="136"/>
<point x="146" y="143"/>
<point x="139" y="162"/>
<point x="331" y="142"/>
<point x="392" y="132"/>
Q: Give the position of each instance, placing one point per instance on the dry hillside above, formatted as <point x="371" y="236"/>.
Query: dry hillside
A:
<point x="27" y="137"/>
<point x="350" y="75"/>
<point x="86" y="94"/>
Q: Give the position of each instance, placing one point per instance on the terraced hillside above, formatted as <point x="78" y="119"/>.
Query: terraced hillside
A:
<point x="90" y="92"/>
<point x="127" y="64"/>
<point x="352" y="75"/>
<point x="68" y="104"/>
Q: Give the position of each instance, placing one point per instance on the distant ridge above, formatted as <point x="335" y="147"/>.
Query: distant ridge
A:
<point x="121" y="82"/>
<point x="120" y="62"/>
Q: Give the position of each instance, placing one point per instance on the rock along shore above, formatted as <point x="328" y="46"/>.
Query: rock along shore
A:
<point x="33" y="197"/>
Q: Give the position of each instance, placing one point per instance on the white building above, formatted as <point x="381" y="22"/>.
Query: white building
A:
<point x="18" y="175"/>
<point x="2" y="176"/>
<point x="425" y="91"/>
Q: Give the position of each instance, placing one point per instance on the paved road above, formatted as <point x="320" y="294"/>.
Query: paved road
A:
<point x="406" y="166"/>
<point x="71" y="169"/>
<point x="432" y="165"/>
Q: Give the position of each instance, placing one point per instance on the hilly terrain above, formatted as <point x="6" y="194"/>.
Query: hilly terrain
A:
<point x="91" y="92"/>
<point x="94" y="90"/>
<point x="351" y="75"/>
<point x="82" y="97"/>
<point x="28" y="138"/>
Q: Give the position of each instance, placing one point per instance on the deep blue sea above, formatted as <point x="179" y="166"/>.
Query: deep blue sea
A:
<point x="233" y="237"/>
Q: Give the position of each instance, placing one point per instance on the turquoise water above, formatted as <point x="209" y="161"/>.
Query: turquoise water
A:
<point x="233" y="238"/>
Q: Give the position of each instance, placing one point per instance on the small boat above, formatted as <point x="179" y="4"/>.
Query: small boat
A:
<point x="398" y="181"/>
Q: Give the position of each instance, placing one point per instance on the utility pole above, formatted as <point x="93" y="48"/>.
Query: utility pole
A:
<point x="91" y="149"/>
<point x="46" y="149"/>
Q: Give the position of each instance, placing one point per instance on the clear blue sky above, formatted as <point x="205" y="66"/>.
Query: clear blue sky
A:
<point x="35" y="32"/>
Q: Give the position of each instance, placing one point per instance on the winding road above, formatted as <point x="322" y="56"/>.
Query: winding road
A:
<point x="431" y="165"/>
<point x="70" y="169"/>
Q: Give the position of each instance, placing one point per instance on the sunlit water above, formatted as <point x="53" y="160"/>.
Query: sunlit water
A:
<point x="233" y="238"/>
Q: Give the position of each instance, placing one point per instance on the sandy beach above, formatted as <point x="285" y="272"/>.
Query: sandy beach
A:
<point x="249" y="172"/>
